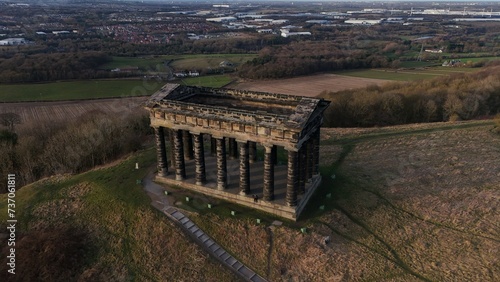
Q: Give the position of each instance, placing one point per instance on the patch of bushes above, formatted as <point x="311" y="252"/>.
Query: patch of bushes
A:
<point x="458" y="97"/>
<point x="44" y="149"/>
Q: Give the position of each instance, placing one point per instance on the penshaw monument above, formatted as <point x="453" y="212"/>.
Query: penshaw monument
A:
<point x="255" y="149"/>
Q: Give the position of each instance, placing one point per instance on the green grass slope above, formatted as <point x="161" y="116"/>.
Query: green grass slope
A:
<point x="99" y="226"/>
<point x="77" y="90"/>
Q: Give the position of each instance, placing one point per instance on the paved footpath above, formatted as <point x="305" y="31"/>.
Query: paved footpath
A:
<point x="162" y="203"/>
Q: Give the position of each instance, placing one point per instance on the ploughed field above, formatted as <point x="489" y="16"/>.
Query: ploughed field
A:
<point x="309" y="86"/>
<point x="68" y="110"/>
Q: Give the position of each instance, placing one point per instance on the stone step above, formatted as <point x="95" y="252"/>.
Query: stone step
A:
<point x="178" y="215"/>
<point x="211" y="245"/>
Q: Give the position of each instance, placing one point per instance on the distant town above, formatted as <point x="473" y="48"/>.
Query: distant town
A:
<point x="155" y="23"/>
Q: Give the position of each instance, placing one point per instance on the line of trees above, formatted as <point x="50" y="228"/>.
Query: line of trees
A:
<point x="46" y="67"/>
<point x="308" y="57"/>
<point x="38" y="150"/>
<point x="457" y="97"/>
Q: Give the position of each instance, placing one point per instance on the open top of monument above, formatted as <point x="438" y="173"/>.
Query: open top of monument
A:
<point x="245" y="115"/>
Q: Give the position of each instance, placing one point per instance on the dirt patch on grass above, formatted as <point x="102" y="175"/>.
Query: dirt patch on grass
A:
<point x="309" y="86"/>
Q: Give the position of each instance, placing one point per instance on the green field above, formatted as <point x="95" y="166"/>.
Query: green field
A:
<point x="179" y="62"/>
<point x="209" y="61"/>
<point x="140" y="62"/>
<point x="207" y="81"/>
<point x="479" y="59"/>
<point x="96" y="89"/>
<point x="74" y="90"/>
<point x="417" y="64"/>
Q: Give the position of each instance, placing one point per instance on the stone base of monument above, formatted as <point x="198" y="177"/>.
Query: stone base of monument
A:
<point x="232" y="193"/>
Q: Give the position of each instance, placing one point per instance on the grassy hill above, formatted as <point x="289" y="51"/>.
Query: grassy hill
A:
<point x="99" y="226"/>
<point x="406" y="203"/>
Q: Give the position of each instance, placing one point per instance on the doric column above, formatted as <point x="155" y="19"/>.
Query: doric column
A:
<point x="221" y="164"/>
<point x="180" y="168"/>
<point x="309" y="159"/>
<point x="252" y="151"/>
<point x="268" y="174"/>
<point x="302" y="171"/>
<point x="244" y="168"/>
<point x="161" y="151"/>
<point x="316" y="136"/>
<point x="292" y="177"/>
<point x="274" y="153"/>
<point x="188" y="145"/>
<point x="213" y="146"/>
<point x="199" y="159"/>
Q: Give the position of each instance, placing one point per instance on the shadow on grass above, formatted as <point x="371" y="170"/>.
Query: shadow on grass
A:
<point x="394" y="257"/>
<point x="329" y="192"/>
<point x="335" y="187"/>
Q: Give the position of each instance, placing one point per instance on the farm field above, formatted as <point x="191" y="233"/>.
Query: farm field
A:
<point x="406" y="74"/>
<point x="309" y="86"/>
<point x="478" y="59"/>
<point x="209" y="61"/>
<point x="216" y="81"/>
<point x="179" y="62"/>
<point x="73" y="90"/>
<point x="70" y="110"/>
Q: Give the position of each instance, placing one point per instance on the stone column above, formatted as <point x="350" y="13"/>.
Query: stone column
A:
<point x="161" y="151"/>
<point x="316" y="137"/>
<point x="309" y="159"/>
<point x="180" y="168"/>
<point x="188" y="145"/>
<point x="252" y="151"/>
<point x="268" y="174"/>
<point x="244" y="168"/>
<point x="302" y="170"/>
<point x="199" y="158"/>
<point x="221" y="164"/>
<point x="292" y="179"/>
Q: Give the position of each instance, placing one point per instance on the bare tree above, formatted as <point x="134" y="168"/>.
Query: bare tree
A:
<point x="10" y="120"/>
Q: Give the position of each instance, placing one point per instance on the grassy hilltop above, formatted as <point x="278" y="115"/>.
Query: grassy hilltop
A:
<point x="99" y="226"/>
<point x="408" y="203"/>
